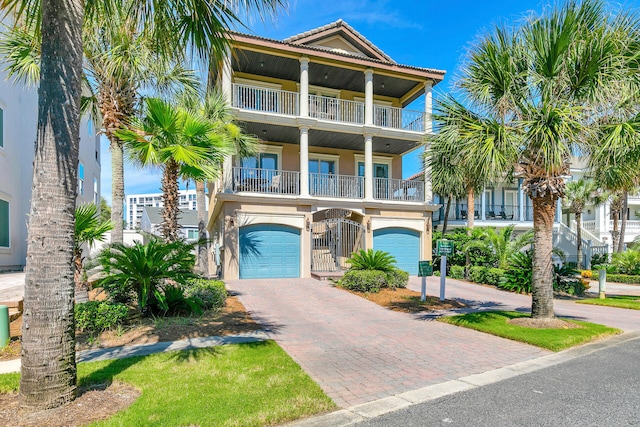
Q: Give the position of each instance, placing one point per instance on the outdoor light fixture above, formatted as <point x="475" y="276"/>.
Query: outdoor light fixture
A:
<point x="308" y="224"/>
<point x="369" y="226"/>
<point x="264" y="132"/>
<point x="382" y="85"/>
<point x="326" y="76"/>
<point x="261" y="64"/>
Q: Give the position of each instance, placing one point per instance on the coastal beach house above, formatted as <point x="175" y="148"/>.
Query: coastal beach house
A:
<point x="18" y="119"/>
<point x="331" y="109"/>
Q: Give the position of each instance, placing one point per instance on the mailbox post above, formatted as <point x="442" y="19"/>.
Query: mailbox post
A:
<point x="444" y="247"/>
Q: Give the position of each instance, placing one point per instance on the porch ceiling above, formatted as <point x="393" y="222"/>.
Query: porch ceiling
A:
<point x="321" y="138"/>
<point x="264" y="64"/>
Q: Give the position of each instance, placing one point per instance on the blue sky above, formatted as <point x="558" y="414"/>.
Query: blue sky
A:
<point x="421" y="33"/>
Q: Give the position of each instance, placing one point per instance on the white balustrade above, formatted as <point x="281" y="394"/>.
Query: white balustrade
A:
<point x="266" y="100"/>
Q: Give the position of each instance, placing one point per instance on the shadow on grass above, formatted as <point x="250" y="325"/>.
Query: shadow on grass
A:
<point x="103" y="377"/>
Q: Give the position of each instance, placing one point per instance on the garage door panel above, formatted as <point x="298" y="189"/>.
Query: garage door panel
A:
<point x="403" y="244"/>
<point x="269" y="251"/>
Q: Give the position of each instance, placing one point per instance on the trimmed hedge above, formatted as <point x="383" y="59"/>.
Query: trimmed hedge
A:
<point x="618" y="278"/>
<point x="456" y="272"/>
<point x="493" y="276"/>
<point x="210" y="294"/>
<point x="98" y="316"/>
<point x="478" y="273"/>
<point x="373" y="280"/>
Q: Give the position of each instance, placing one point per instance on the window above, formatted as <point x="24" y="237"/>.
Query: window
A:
<point x="192" y="234"/>
<point x="81" y="179"/>
<point x="96" y="198"/>
<point x="4" y="224"/>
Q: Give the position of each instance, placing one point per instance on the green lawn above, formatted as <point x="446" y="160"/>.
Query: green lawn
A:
<point x="620" y="301"/>
<point x="239" y="385"/>
<point x="495" y="323"/>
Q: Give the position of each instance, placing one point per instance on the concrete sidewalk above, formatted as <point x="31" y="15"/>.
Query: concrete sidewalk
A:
<point x="11" y="286"/>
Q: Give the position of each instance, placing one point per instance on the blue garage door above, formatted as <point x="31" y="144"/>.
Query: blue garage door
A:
<point x="403" y="244"/>
<point x="269" y="251"/>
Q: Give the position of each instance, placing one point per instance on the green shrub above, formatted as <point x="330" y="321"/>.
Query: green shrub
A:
<point x="493" y="276"/>
<point x="211" y="293"/>
<point x="565" y="280"/>
<point x="598" y="259"/>
<point x="619" y="278"/>
<point x="518" y="277"/>
<point x="436" y="273"/>
<point x="627" y="262"/>
<point x="477" y="274"/>
<point x="176" y="303"/>
<point x="456" y="272"/>
<point x="98" y="316"/>
<point x="363" y="280"/>
<point x="372" y="260"/>
<point x="397" y="279"/>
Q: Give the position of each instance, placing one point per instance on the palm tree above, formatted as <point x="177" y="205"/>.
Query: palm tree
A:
<point x="577" y="195"/>
<point x="181" y="143"/>
<point x="48" y="363"/>
<point x="89" y="229"/>
<point x="532" y="94"/>
<point x="501" y="243"/>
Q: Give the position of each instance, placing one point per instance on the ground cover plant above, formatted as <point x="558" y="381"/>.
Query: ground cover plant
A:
<point x="564" y="334"/>
<point x="245" y="384"/>
<point x="619" y="301"/>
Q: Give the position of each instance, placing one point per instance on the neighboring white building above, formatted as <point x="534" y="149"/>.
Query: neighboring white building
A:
<point x="18" y="119"/>
<point x="137" y="202"/>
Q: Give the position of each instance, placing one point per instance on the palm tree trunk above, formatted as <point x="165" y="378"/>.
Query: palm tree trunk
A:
<point x="579" y="236"/>
<point x="48" y="377"/>
<point x="471" y="200"/>
<point x="542" y="278"/>
<point x="203" y="246"/>
<point x="117" y="189"/>
<point x="445" y="222"/>
<point x="616" y="208"/>
<point x="623" y="220"/>
<point x="170" y="211"/>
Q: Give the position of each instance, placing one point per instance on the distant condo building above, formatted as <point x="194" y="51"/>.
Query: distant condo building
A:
<point x="137" y="202"/>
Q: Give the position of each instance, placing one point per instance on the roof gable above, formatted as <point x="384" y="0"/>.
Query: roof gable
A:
<point x="340" y="37"/>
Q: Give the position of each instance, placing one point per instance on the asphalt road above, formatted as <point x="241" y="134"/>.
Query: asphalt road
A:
<point x="600" y="389"/>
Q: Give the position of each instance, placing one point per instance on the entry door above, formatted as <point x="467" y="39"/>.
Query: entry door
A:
<point x="510" y="204"/>
<point x="322" y="181"/>
<point x="380" y="186"/>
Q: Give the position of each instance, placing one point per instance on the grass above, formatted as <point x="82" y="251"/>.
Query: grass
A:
<point x="232" y="385"/>
<point x="619" y="301"/>
<point x="496" y="323"/>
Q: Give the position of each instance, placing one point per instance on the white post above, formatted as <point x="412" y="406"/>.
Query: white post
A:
<point x="483" y="205"/>
<point x="443" y="275"/>
<point x="520" y="200"/>
<point x="227" y="72"/>
<point x="428" y="189"/>
<point x="368" y="96"/>
<point x="428" y="106"/>
<point x="368" y="167"/>
<point x="304" y="161"/>
<point x="227" y="174"/>
<point x="423" y="294"/>
<point x="304" y="86"/>
<point x="559" y="211"/>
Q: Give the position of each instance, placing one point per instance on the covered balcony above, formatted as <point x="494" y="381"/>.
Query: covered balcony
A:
<point x="288" y="183"/>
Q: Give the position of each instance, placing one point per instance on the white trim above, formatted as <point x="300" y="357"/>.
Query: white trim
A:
<point x="7" y="249"/>
<point x="257" y="83"/>
<point x="245" y="218"/>
<point x="354" y="51"/>
<point x="379" y="102"/>
<point x="376" y="159"/>
<point x="322" y="91"/>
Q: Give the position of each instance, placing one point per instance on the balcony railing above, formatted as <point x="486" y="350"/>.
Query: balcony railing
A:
<point x="258" y="180"/>
<point x="492" y="213"/>
<point x="338" y="186"/>
<point x="338" y="110"/>
<point x="267" y="100"/>
<point x="398" y="189"/>
<point x="399" y="118"/>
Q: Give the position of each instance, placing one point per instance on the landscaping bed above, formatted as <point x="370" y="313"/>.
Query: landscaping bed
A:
<point x="619" y="301"/>
<point x="408" y="301"/>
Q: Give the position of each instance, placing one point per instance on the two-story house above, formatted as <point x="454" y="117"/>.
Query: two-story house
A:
<point x="332" y="111"/>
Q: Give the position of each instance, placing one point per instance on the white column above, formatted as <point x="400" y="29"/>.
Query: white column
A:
<point x="304" y="161"/>
<point x="368" y="167"/>
<point x="601" y="217"/>
<point x="559" y="211"/>
<point x="428" y="106"/>
<point x="227" y="174"/>
<point x="428" y="191"/>
<point x="368" y="96"/>
<point x="483" y="205"/>
<point x="227" y="72"/>
<point x="304" y="86"/>
<point x="520" y="200"/>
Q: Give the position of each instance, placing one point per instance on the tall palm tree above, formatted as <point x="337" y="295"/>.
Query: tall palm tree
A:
<point x="181" y="143"/>
<point x="48" y="363"/>
<point x="532" y="94"/>
<point x="577" y="195"/>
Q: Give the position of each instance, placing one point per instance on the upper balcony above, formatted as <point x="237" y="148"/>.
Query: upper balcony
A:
<point x="286" y="103"/>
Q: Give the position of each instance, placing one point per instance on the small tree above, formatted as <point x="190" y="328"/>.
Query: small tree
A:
<point x="501" y="243"/>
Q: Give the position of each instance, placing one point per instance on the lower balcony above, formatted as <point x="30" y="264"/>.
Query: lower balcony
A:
<point x="491" y="213"/>
<point x="287" y="183"/>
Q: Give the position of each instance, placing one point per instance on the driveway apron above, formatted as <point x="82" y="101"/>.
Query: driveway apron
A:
<point x="358" y="351"/>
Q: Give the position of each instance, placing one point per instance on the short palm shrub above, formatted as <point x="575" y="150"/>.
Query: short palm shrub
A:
<point x="627" y="262"/>
<point x="493" y="275"/>
<point x="477" y="273"/>
<point x="372" y="260"/>
<point x="176" y="303"/>
<point x="98" y="316"/>
<point x="363" y="280"/>
<point x="565" y="280"/>
<point x="211" y="293"/>
<point x="456" y="272"/>
<point x="518" y="276"/>
<point x="143" y="269"/>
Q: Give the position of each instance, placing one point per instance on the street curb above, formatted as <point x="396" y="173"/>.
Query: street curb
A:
<point x="359" y="413"/>
<point x="111" y="353"/>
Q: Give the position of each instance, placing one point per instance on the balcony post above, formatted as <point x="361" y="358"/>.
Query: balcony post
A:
<point x="520" y="200"/>
<point x="227" y="72"/>
<point x="428" y="106"/>
<point x="304" y="161"/>
<point x="483" y="205"/>
<point x="227" y="174"/>
<point x="368" y="98"/>
<point x="304" y="86"/>
<point x="559" y="211"/>
<point x="368" y="167"/>
<point x="428" y="189"/>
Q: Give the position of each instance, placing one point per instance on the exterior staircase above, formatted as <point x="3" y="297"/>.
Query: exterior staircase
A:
<point x="566" y="239"/>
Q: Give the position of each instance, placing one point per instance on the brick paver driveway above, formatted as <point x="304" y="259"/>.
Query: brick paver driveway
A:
<point x="358" y="351"/>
